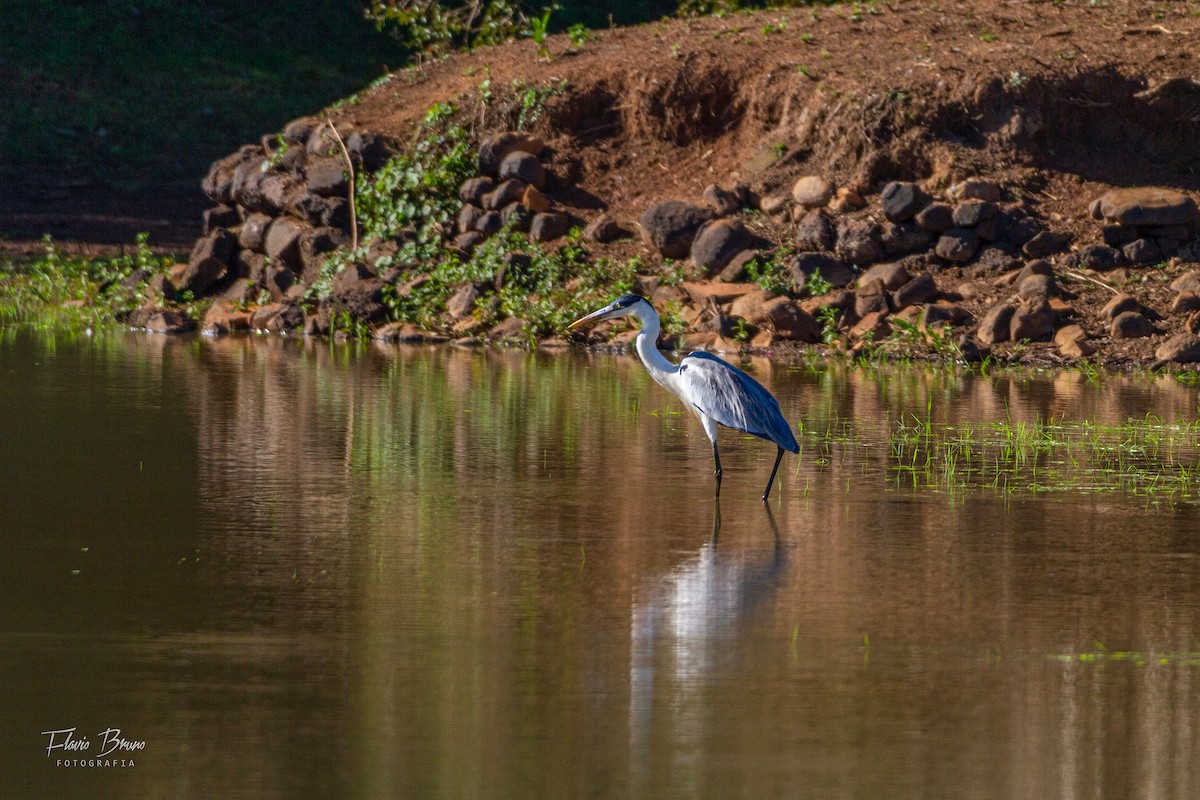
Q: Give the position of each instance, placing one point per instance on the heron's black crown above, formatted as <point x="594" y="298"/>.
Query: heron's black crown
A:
<point x="626" y="301"/>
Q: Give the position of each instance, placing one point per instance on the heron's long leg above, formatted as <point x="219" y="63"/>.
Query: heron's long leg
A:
<point x="717" y="462"/>
<point x="774" y="469"/>
<point x="710" y="429"/>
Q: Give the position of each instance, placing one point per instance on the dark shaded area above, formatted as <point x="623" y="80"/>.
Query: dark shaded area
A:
<point x="114" y="110"/>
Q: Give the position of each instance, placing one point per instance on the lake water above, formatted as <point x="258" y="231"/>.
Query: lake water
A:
<point x="293" y="569"/>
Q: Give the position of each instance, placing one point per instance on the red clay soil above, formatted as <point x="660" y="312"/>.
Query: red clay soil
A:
<point x="908" y="90"/>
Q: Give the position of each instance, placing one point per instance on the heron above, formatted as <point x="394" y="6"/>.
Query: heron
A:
<point x="718" y="392"/>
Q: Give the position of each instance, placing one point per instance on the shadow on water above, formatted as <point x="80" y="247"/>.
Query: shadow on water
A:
<point x="297" y="569"/>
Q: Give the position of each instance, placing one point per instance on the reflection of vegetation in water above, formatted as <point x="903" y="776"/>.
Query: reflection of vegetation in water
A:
<point x="1102" y="655"/>
<point x="1140" y="456"/>
<point x="935" y="428"/>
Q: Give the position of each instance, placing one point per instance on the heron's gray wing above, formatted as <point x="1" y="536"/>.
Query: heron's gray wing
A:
<point x="734" y="399"/>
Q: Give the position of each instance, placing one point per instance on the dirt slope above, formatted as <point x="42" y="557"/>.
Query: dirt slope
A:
<point x="1048" y="96"/>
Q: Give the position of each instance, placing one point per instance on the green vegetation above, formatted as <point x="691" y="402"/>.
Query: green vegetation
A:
<point x="78" y="292"/>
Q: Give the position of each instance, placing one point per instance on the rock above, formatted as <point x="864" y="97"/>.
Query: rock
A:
<point x="524" y="167"/>
<point x="772" y="204"/>
<point x="902" y="200"/>
<point x="873" y="325"/>
<point x="1038" y="266"/>
<point x="494" y="149"/>
<point x="282" y="242"/>
<point x="812" y="191"/>
<point x="1167" y="247"/>
<point x="814" y="231"/>
<point x="1119" y="304"/>
<point x="1183" y="348"/>
<point x="846" y="200"/>
<point x="904" y="237"/>
<point x="1046" y="244"/>
<point x="220" y="217"/>
<point x="218" y="182"/>
<point x="468" y="241"/>
<point x="1185" y="303"/>
<point x="510" y="329"/>
<point x="750" y="307"/>
<point x="871" y="297"/>
<point x="210" y="258"/>
<point x="789" y="321"/>
<point x="489" y="222"/>
<point x="893" y="274"/>
<point x="996" y="324"/>
<point x="1192" y="323"/>
<point x="976" y="189"/>
<point x="254" y="231"/>
<point x="168" y="321"/>
<point x="720" y="200"/>
<point x="548" y="226"/>
<point x="671" y="226"/>
<point x="920" y="289"/>
<point x="935" y="218"/>
<point x="1142" y="251"/>
<point x="160" y="286"/>
<point x="462" y="301"/>
<point x="702" y="293"/>
<point x="473" y="189"/>
<point x="969" y="351"/>
<point x="336" y="214"/>
<point x="326" y="176"/>
<point x="1118" y="235"/>
<point x="1178" y="233"/>
<point x="1022" y="231"/>
<point x="805" y="265"/>
<point x="1187" y="282"/>
<point x="859" y="241"/>
<point x="1036" y="287"/>
<point x="1131" y="325"/>
<point x="1147" y="206"/>
<point x="222" y="317"/>
<point x="468" y="218"/>
<point x="604" y="229"/>
<point x="510" y="191"/>
<point x="735" y="270"/>
<point x="717" y="243"/>
<point x="1075" y="348"/>
<point x="970" y="213"/>
<point x="957" y="245"/>
<point x="535" y="200"/>
<point x="1032" y="321"/>
<point x="277" y="280"/>
<point x="371" y="149"/>
<point x="516" y="216"/>
<point x="1094" y="256"/>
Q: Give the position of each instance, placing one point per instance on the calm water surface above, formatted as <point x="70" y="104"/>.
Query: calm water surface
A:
<point x="297" y="570"/>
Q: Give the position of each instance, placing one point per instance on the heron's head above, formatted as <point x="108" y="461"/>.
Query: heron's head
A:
<point x="626" y="306"/>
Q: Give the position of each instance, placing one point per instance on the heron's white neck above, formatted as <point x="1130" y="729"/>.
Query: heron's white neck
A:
<point x="662" y="370"/>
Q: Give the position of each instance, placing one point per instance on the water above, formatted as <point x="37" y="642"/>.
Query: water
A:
<point x="297" y="570"/>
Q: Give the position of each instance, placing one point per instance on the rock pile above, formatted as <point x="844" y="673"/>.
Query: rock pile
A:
<point x="509" y="190"/>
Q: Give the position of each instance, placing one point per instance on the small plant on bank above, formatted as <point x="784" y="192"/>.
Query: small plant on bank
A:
<point x="579" y="34"/>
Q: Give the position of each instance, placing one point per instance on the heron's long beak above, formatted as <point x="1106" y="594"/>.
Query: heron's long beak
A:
<point x="594" y="317"/>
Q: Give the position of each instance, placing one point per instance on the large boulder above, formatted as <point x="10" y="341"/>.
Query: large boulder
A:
<point x="671" y="226"/>
<point x="717" y="243"/>
<point x="1147" y="206"/>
